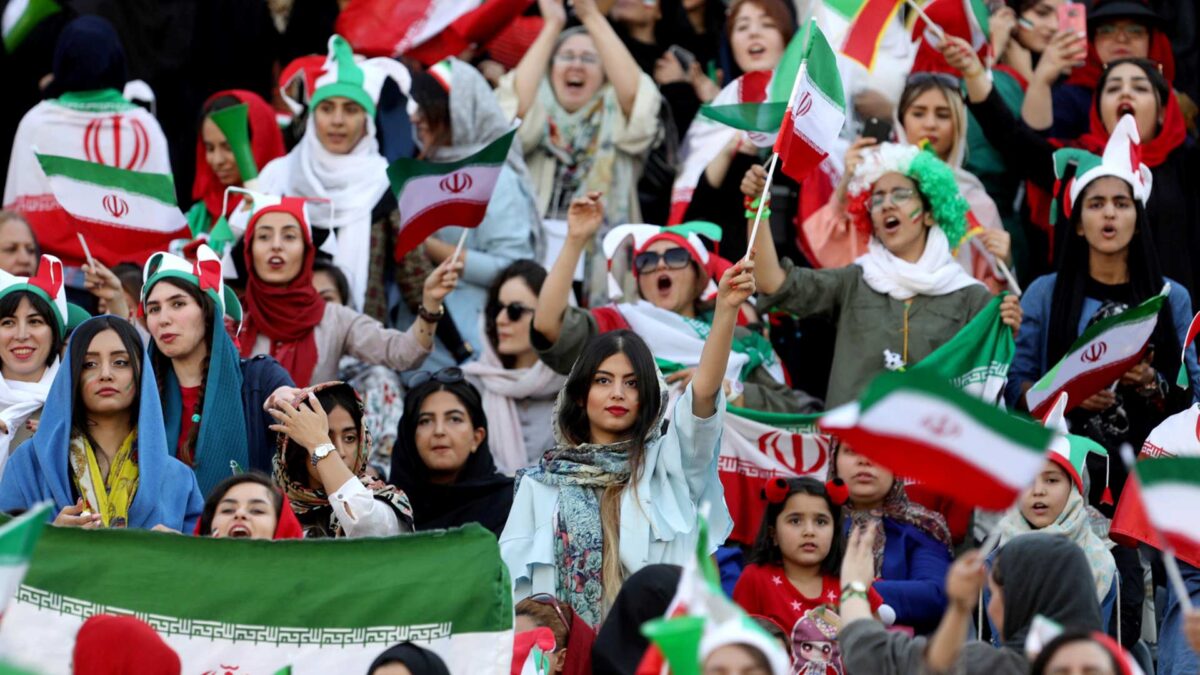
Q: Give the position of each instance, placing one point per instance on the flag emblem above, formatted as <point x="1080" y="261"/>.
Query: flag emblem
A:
<point x="1095" y="352"/>
<point x="942" y="426"/>
<point x="115" y="206"/>
<point x="804" y="104"/>
<point x="793" y="451"/>
<point x="456" y="183"/>
<point x="138" y="147"/>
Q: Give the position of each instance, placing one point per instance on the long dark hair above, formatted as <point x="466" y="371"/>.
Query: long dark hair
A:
<point x="162" y="364"/>
<point x="341" y="395"/>
<point x="529" y="271"/>
<point x="766" y="551"/>
<point x="218" y="493"/>
<point x="1070" y="288"/>
<point x="434" y="102"/>
<point x="81" y="340"/>
<point x="573" y="419"/>
<point x="1162" y="89"/>
<point x="8" y="307"/>
<point x="408" y="462"/>
<point x="339" y="278"/>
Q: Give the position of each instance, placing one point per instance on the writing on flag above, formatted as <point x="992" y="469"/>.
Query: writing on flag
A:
<point x="922" y="427"/>
<point x="1098" y="357"/>
<point x="977" y="358"/>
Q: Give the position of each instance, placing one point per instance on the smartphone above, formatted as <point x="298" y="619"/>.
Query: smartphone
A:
<point x="1072" y="16"/>
<point x="879" y="129"/>
<point x="686" y="58"/>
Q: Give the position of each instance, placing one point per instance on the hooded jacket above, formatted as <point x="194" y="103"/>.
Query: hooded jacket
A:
<point x="39" y="469"/>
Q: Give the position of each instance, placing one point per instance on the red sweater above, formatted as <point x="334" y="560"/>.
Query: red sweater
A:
<point x="766" y="591"/>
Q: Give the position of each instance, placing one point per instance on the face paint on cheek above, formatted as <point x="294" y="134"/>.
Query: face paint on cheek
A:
<point x="916" y="213"/>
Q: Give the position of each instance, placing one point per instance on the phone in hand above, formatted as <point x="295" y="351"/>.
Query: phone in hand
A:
<point x="1072" y="16"/>
<point x="877" y="128"/>
<point x="686" y="58"/>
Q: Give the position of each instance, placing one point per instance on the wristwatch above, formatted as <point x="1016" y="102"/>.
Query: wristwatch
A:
<point x="428" y="316"/>
<point x="854" y="588"/>
<point x="322" y="451"/>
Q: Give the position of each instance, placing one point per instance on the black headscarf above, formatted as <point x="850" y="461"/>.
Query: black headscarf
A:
<point x="88" y="56"/>
<point x="1045" y="574"/>
<point x="419" y="661"/>
<point x="620" y="645"/>
<point x="479" y="495"/>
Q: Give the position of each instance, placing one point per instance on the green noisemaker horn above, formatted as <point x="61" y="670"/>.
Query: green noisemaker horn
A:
<point x="234" y="122"/>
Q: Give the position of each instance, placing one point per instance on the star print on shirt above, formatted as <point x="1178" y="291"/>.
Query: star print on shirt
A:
<point x="777" y="580"/>
<point x="831" y="596"/>
<point x="796" y="606"/>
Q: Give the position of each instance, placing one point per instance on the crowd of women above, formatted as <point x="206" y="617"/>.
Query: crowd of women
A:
<point x="562" y="373"/>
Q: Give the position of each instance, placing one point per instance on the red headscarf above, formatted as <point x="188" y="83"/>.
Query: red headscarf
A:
<point x="287" y="527"/>
<point x="286" y="314"/>
<point x="1154" y="151"/>
<point x="1088" y="75"/>
<point x="111" y="645"/>
<point x="266" y="142"/>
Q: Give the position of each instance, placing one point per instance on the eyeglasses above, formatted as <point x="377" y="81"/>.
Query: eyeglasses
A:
<point x="897" y="196"/>
<point x="567" y="58"/>
<point x="449" y="375"/>
<point x="676" y="258"/>
<point x="1131" y="31"/>
<point x="547" y="599"/>
<point x="514" y="310"/>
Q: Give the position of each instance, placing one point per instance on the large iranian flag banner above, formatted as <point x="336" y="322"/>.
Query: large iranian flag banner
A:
<point x="924" y="428"/>
<point x="432" y="195"/>
<point x="252" y="607"/>
<point x="757" y="446"/>
<point x="1102" y="354"/>
<point x="17" y="540"/>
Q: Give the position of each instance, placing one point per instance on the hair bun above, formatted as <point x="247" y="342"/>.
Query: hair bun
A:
<point x="837" y="491"/>
<point x="775" y="490"/>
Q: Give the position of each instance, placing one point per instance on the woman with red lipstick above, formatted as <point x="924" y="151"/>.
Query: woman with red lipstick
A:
<point x="34" y="316"/>
<point x="100" y="453"/>
<point x="213" y="402"/>
<point x="621" y="489"/>
<point x="248" y="506"/>
<point x="673" y="270"/>
<point x="287" y="318"/>
<point x="1126" y="87"/>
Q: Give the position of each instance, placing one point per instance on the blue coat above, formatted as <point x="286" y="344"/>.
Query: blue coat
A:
<point x="261" y="375"/>
<point x="39" y="468"/>
<point x="913" y="577"/>
<point x="1029" y="363"/>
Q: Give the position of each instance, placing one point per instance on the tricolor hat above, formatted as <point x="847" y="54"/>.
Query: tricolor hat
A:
<point x="360" y="80"/>
<point x="1122" y="159"/>
<point x="204" y="274"/>
<point x="640" y="237"/>
<point x="47" y="284"/>
<point x="934" y="178"/>
<point x="1070" y="451"/>
<point x="742" y="630"/>
<point x="303" y="209"/>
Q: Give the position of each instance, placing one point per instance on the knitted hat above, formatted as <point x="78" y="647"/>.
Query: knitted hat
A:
<point x="1070" y="451"/>
<point x="639" y="238"/>
<point x="934" y="178"/>
<point x="360" y="80"/>
<point x="742" y="630"/>
<point x="1122" y="159"/>
<point x="47" y="284"/>
<point x="204" y="274"/>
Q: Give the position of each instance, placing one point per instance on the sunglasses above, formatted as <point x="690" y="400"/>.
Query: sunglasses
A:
<point x="897" y="196"/>
<point x="547" y="599"/>
<point x="449" y="375"/>
<point x="514" y="310"/>
<point x="676" y="259"/>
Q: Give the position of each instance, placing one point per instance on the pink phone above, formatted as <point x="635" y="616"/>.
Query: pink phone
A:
<point x="1072" y="16"/>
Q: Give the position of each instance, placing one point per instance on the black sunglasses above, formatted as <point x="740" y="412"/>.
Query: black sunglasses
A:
<point x="676" y="258"/>
<point x="515" y="310"/>
<point x="449" y="375"/>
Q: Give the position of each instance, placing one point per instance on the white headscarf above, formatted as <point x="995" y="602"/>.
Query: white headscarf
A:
<point x="935" y="273"/>
<point x="20" y="401"/>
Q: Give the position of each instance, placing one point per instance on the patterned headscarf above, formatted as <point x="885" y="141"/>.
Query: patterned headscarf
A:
<point x="305" y="499"/>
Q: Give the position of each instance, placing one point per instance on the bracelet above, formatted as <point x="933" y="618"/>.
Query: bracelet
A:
<point x="848" y="594"/>
<point x="428" y="316"/>
<point x="751" y="206"/>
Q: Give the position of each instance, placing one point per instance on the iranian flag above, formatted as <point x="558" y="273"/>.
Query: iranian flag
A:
<point x="925" y="429"/>
<point x="1182" y="380"/>
<point x="432" y="195"/>
<point x="757" y="446"/>
<point x="977" y="358"/>
<point x="1102" y="354"/>
<point x="1170" y="494"/>
<point x="243" y="606"/>
<point x="21" y="17"/>
<point x="121" y="212"/>
<point x="867" y="24"/>
<point x="428" y="30"/>
<point x="100" y="128"/>
<point x="967" y="19"/>
<point x="17" y="540"/>
<point x="815" y="111"/>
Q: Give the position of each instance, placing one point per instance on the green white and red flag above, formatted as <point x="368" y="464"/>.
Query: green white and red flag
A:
<point x="427" y="30"/>
<point x="977" y="358"/>
<point x="1105" y="351"/>
<point x="926" y="429"/>
<point x="433" y="195"/>
<point x="18" y="538"/>
<point x="122" y="212"/>
<point x="815" y="111"/>
<point x="252" y="606"/>
<point x="1169" y="490"/>
<point x="1182" y="380"/>
<point x="867" y="25"/>
<point x="967" y="19"/>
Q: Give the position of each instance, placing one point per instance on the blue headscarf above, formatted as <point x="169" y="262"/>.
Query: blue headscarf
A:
<point x="40" y="470"/>
<point x="88" y="57"/>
